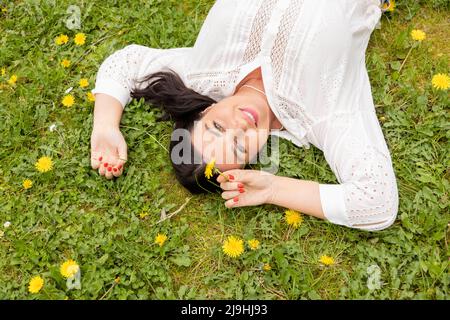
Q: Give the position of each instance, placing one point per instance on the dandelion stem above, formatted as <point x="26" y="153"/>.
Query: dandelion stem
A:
<point x="404" y="61"/>
<point x="173" y="213"/>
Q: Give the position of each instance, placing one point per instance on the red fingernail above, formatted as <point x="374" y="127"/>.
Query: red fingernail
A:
<point x="100" y="159"/>
<point x="109" y="168"/>
<point x="235" y="199"/>
<point x="115" y="169"/>
<point x="105" y="164"/>
<point x="230" y="177"/>
<point x="241" y="190"/>
<point x="240" y="185"/>
<point x="119" y="167"/>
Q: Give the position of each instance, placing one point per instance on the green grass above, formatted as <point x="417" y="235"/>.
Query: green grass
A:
<point x="73" y="213"/>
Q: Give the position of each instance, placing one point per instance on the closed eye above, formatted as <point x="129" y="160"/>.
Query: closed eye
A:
<point x="218" y="126"/>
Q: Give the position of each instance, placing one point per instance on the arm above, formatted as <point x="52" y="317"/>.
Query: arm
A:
<point x="117" y="77"/>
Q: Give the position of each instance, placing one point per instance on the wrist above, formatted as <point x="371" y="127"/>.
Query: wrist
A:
<point x="273" y="189"/>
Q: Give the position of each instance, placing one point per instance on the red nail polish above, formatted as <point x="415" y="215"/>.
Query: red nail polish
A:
<point x="235" y="199"/>
<point x="114" y="169"/>
<point x="230" y="177"/>
<point x="240" y="185"/>
<point x="241" y="190"/>
<point x="105" y="164"/>
<point x="100" y="159"/>
<point x="109" y="168"/>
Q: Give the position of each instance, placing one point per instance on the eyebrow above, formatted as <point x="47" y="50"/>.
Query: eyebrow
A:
<point x="219" y="135"/>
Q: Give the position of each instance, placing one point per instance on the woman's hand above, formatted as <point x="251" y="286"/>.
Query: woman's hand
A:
<point x="246" y="187"/>
<point x="108" y="151"/>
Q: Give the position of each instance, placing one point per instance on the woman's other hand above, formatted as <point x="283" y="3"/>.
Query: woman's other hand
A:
<point x="246" y="187"/>
<point x="108" y="151"/>
<point x="108" y="147"/>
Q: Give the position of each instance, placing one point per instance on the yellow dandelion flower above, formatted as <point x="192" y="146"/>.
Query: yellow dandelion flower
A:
<point x="142" y="215"/>
<point x="44" y="164"/>
<point x="117" y="280"/>
<point x="84" y="83"/>
<point x="61" y="39"/>
<point x="389" y="6"/>
<point x="441" y="81"/>
<point x="68" y="100"/>
<point x="418" y="35"/>
<point x="233" y="247"/>
<point x="327" y="260"/>
<point x="90" y="96"/>
<point x="69" y="268"/>
<point x="27" y="183"/>
<point x="209" y="168"/>
<point x="12" y="80"/>
<point x="267" y="267"/>
<point x="80" y="39"/>
<point x="36" y="284"/>
<point x="160" y="239"/>
<point x="3" y="71"/>
<point x="293" y="218"/>
<point x="253" y="244"/>
<point x="65" y="63"/>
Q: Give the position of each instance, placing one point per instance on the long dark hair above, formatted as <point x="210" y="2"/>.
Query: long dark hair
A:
<point x="166" y="90"/>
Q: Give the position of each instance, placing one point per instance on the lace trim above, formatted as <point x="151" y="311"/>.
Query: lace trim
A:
<point x="257" y="31"/>
<point x="287" y="22"/>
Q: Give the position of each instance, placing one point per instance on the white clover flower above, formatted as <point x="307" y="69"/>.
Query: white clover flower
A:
<point x="7" y="224"/>
<point x="52" y="127"/>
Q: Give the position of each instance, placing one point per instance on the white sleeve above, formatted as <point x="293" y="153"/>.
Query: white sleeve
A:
<point x="367" y="196"/>
<point x="346" y="128"/>
<point x="119" y="72"/>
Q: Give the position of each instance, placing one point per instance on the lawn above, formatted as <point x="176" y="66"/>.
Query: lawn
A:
<point x="108" y="227"/>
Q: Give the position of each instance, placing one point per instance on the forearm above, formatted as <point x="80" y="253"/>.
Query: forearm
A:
<point x="107" y="111"/>
<point x="299" y="195"/>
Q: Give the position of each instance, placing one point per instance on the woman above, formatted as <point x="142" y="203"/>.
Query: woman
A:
<point x="291" y="68"/>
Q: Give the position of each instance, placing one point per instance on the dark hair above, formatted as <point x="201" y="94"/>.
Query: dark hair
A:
<point x="166" y="90"/>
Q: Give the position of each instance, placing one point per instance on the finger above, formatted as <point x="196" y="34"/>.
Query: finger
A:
<point x="106" y="163"/>
<point x="230" y="194"/>
<point x="231" y="185"/>
<point x="96" y="159"/>
<point x="236" y="201"/>
<point x="235" y="174"/>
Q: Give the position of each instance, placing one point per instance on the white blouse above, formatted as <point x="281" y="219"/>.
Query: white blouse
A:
<point x="312" y="59"/>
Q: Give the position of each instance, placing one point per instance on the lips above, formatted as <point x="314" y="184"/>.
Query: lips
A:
<point x="251" y="115"/>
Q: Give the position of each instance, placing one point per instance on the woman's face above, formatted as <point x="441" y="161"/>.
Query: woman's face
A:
<point x="232" y="131"/>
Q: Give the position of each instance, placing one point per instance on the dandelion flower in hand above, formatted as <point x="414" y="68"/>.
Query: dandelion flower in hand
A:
<point x="253" y="244"/>
<point x="418" y="35"/>
<point x="44" y="164"/>
<point x="69" y="268"/>
<point x="441" y="81"/>
<point x="233" y="247"/>
<point x="160" y="239"/>
<point x="36" y="284"/>
<point x="210" y="168"/>
<point x="293" y="218"/>
<point x="327" y="260"/>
